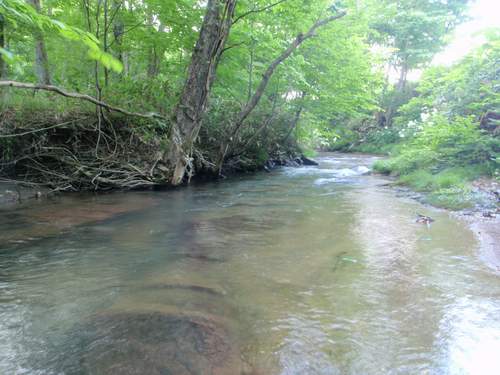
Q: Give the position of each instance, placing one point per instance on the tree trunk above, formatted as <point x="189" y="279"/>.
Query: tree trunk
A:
<point x="201" y="74"/>
<point x="41" y="59"/>
<point x="250" y="64"/>
<point x="2" y="45"/>
<point x="154" y="57"/>
<point x="400" y="86"/>
<point x="402" y="77"/>
<point x="105" y="40"/>
<point x="296" y="119"/>
<point x="118" y="28"/>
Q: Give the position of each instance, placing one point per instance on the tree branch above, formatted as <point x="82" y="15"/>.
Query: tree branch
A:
<point x="88" y="98"/>
<point x="15" y="135"/>
<point x="272" y="67"/>
<point x="258" y="10"/>
<point x="254" y="100"/>
<point x="233" y="46"/>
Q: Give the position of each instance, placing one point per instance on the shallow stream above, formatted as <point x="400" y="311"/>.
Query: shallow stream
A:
<point x="312" y="270"/>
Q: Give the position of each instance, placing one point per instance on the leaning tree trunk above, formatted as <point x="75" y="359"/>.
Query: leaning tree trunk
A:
<point x="41" y="59"/>
<point x="255" y="99"/>
<point x="192" y="104"/>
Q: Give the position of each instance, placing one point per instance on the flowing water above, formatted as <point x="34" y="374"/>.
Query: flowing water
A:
<point x="313" y="270"/>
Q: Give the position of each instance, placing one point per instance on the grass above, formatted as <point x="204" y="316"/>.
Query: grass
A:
<point x="375" y="149"/>
<point x="454" y="198"/>
<point x="449" y="188"/>
<point x="424" y="180"/>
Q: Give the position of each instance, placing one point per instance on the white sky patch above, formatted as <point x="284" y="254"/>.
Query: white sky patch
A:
<point x="484" y="14"/>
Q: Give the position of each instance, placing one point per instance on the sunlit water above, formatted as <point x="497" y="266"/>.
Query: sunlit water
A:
<point x="315" y="270"/>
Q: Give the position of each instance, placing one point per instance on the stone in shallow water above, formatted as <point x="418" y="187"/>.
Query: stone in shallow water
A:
<point x="156" y="343"/>
<point x="361" y="169"/>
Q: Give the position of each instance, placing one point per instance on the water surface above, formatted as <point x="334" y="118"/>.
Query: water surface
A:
<point x="313" y="270"/>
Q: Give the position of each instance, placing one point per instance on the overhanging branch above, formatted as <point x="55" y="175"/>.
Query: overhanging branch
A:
<point x="74" y="95"/>
<point x="257" y="10"/>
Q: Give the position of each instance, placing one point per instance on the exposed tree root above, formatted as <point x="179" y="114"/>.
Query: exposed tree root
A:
<point x="76" y="154"/>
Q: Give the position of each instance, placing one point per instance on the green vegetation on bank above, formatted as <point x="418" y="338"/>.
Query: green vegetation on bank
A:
<point x="448" y="133"/>
<point x="220" y="85"/>
<point x="161" y="91"/>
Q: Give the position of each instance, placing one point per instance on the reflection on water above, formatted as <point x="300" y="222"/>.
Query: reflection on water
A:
<point x="316" y="270"/>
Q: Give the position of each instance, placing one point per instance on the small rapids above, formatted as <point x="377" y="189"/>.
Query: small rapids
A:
<point x="312" y="270"/>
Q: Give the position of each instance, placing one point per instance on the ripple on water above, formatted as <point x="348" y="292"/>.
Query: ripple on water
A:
<point x="267" y="269"/>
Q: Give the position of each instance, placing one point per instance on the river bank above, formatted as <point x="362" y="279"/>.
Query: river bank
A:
<point x="482" y="215"/>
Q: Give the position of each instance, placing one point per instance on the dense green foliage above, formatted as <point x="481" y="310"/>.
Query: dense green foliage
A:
<point x="330" y="93"/>
<point x="143" y="50"/>
<point x="155" y="48"/>
<point x="444" y="136"/>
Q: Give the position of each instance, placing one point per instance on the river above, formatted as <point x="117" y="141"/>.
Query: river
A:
<point x="312" y="270"/>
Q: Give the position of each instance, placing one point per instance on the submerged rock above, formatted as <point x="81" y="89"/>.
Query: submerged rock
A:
<point x="158" y="343"/>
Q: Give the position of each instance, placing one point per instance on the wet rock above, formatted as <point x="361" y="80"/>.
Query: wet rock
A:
<point x="424" y="219"/>
<point x="292" y="163"/>
<point x="489" y="214"/>
<point x="361" y="169"/>
<point x="307" y="161"/>
<point x="157" y="343"/>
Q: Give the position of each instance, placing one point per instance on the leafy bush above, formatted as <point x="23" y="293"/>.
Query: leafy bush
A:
<point x="441" y="145"/>
<point x="442" y="158"/>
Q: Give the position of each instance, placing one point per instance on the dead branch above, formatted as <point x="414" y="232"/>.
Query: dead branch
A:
<point x="263" y="9"/>
<point x="88" y="98"/>
<point x="41" y="129"/>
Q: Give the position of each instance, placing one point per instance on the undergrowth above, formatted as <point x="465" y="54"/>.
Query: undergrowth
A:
<point x="442" y="160"/>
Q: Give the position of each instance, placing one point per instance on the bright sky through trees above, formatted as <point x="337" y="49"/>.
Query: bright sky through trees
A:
<point x="484" y="15"/>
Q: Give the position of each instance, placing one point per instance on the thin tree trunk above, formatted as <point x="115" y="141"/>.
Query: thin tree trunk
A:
<point x="105" y="40"/>
<point x="272" y="67"/>
<point x="402" y="77"/>
<point x="250" y="65"/>
<point x="2" y="45"/>
<point x="153" y="62"/>
<point x="154" y="58"/>
<point x="400" y="86"/>
<point x="41" y="59"/>
<point x="296" y="118"/>
<point x="201" y="74"/>
<point x="118" y="28"/>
